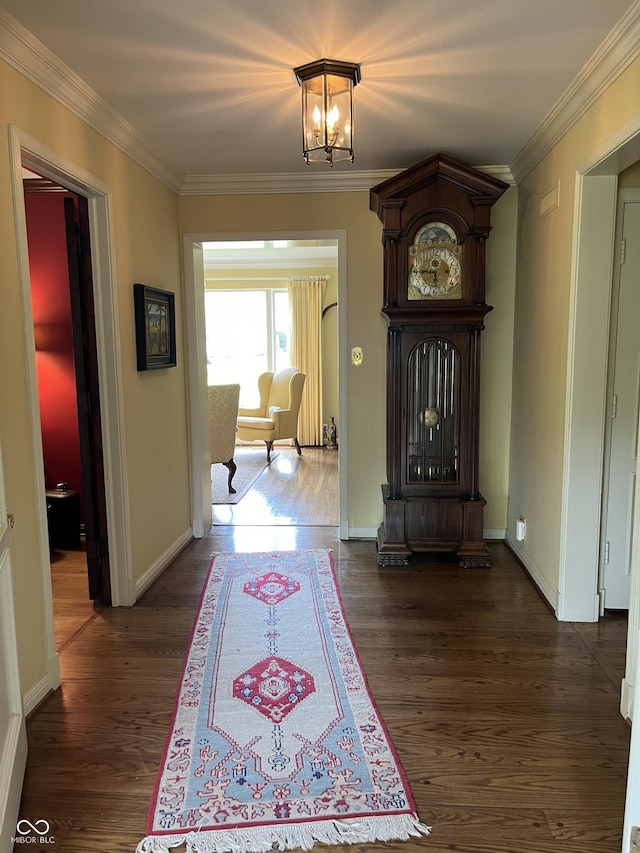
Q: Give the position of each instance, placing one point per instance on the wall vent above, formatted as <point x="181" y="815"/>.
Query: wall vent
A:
<point x="550" y="201"/>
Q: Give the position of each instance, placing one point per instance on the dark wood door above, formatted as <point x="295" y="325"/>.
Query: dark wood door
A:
<point x="88" y="393"/>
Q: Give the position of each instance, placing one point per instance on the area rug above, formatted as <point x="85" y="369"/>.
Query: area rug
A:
<point x="275" y="742"/>
<point x="251" y="462"/>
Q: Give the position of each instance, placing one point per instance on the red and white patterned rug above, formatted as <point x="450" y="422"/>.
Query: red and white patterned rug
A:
<point x="275" y="743"/>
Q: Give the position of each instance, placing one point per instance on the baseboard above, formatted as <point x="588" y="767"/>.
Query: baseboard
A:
<point x="494" y="533"/>
<point x="32" y="698"/>
<point x="47" y="684"/>
<point x="532" y="570"/>
<point x="53" y="670"/>
<point x="626" y="699"/>
<point x="363" y="533"/>
<point x="154" y="571"/>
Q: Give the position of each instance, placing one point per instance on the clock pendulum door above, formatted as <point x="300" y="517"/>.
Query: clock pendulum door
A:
<point x="436" y="219"/>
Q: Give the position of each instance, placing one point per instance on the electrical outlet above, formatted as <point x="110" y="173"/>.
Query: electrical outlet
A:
<point x="634" y="842"/>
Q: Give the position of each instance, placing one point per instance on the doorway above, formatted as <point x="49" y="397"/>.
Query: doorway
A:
<point x="249" y="281"/>
<point x="27" y="152"/>
<point x="596" y="192"/>
<point x="194" y="253"/>
<point x="66" y="363"/>
<point x="622" y="409"/>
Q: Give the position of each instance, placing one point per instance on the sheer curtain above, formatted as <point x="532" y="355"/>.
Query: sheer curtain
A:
<point x="305" y="298"/>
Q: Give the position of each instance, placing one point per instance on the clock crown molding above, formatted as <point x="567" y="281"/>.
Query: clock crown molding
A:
<point x="438" y="167"/>
<point x="479" y="190"/>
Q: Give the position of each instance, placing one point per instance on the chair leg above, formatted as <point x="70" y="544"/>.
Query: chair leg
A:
<point x="298" y="448"/>
<point x="269" y="446"/>
<point x="231" y="465"/>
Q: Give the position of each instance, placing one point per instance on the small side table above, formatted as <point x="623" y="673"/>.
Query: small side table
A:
<point x="63" y="515"/>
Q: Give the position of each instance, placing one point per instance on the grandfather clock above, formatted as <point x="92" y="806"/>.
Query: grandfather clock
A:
<point x="436" y="219"/>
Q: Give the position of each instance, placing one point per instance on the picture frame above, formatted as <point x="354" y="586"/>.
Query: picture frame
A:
<point x="155" y="322"/>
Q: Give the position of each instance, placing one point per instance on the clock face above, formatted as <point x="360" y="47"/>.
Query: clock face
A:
<point x="435" y="264"/>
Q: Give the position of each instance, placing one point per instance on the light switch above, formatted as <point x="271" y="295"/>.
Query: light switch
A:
<point x="356" y="356"/>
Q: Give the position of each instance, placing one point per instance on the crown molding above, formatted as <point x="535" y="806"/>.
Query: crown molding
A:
<point x="613" y="56"/>
<point x="311" y="182"/>
<point x="283" y="182"/>
<point x="503" y="173"/>
<point x="24" y="52"/>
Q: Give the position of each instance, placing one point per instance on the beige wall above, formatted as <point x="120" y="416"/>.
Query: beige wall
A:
<point x="542" y="323"/>
<point x="146" y="249"/>
<point x="497" y="362"/>
<point x="630" y="178"/>
<point x="349" y="211"/>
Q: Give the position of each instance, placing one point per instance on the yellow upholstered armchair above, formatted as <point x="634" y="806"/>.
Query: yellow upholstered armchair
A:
<point x="277" y="415"/>
<point x="223" y="412"/>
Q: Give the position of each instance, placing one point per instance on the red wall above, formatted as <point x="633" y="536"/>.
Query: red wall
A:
<point x="54" y="342"/>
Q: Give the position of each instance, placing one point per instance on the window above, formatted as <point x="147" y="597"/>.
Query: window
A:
<point x="247" y="333"/>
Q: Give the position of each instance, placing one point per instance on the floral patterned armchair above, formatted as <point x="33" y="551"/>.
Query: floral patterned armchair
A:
<point x="223" y="413"/>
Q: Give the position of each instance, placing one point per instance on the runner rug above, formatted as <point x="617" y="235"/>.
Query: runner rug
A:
<point x="275" y="742"/>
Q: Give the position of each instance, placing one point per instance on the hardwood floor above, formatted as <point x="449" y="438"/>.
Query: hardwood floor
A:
<point x="505" y="720"/>
<point x="300" y="490"/>
<point x="70" y="590"/>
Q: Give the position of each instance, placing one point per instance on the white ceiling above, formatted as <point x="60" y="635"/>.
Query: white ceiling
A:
<point x="209" y="83"/>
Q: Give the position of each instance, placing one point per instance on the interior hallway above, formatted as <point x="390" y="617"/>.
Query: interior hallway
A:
<point x="505" y="720"/>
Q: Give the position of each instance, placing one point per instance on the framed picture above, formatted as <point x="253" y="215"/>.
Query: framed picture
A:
<point x="155" y="327"/>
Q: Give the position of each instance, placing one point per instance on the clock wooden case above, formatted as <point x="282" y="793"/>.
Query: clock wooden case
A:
<point x="436" y="219"/>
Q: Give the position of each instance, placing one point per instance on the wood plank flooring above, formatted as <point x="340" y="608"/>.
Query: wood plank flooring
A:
<point x="300" y="490"/>
<point x="505" y="720"/>
<point x="70" y="590"/>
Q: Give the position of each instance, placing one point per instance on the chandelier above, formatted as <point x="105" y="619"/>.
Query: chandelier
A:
<point x="327" y="109"/>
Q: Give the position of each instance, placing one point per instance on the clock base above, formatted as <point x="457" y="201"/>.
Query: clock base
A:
<point x="418" y="524"/>
<point x="391" y="554"/>
<point x="475" y="563"/>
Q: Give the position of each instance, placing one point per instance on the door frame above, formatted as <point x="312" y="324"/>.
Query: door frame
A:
<point x="196" y="353"/>
<point x="593" y="255"/>
<point x="28" y="151"/>
<point x="624" y="196"/>
<point x="84" y="344"/>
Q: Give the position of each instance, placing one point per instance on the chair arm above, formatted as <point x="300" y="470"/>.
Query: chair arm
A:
<point x="276" y="415"/>
<point x="251" y="413"/>
<point x="285" y="422"/>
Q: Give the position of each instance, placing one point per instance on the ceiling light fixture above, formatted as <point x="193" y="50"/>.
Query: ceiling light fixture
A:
<point x="327" y="109"/>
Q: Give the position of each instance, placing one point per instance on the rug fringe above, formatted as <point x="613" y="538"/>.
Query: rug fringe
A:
<point x="264" y="839"/>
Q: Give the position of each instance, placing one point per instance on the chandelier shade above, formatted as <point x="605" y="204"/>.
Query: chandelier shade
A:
<point x="327" y="110"/>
